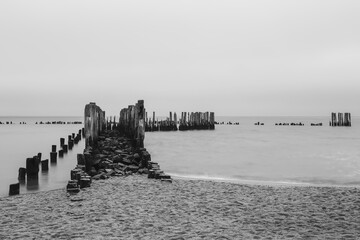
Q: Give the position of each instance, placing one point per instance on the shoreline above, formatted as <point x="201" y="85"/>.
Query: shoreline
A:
<point x="259" y="182"/>
<point x="222" y="180"/>
<point x="135" y="207"/>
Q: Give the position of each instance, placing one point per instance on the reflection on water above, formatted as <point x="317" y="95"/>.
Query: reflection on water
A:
<point x="32" y="183"/>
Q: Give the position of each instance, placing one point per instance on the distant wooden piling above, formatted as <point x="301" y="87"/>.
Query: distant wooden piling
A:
<point x="340" y="120"/>
<point x="53" y="148"/>
<point x="197" y="121"/>
<point x="188" y="121"/>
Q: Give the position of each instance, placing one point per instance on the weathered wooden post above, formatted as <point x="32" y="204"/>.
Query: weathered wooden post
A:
<point x="94" y="122"/>
<point x="175" y="121"/>
<point x="22" y="174"/>
<point x="45" y="165"/>
<point x="32" y="167"/>
<point x="61" y="153"/>
<point x="153" y="122"/>
<point x="71" y="144"/>
<point x="212" y="120"/>
<point x="53" y="148"/>
<point x="339" y="119"/>
<point x="62" y="141"/>
<point x="140" y="131"/>
<point x="14" y="189"/>
<point x="39" y="157"/>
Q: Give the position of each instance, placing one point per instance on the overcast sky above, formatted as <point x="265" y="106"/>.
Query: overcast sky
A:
<point x="232" y="57"/>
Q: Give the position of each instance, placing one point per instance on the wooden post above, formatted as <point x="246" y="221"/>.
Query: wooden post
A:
<point x="339" y="119"/>
<point x="212" y="120"/>
<point x="22" y="174"/>
<point x="32" y="167"/>
<point x="94" y="123"/>
<point x="349" y="115"/>
<point x="175" y="121"/>
<point x="53" y="148"/>
<point x="45" y="165"/>
<point x="14" y="189"/>
<point x="61" y="153"/>
<point x="140" y="124"/>
<point x="39" y="157"/>
<point x="153" y="122"/>
<point x="62" y="141"/>
<point x="70" y="144"/>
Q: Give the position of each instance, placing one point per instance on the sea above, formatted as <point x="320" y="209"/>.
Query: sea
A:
<point x="263" y="154"/>
<point x="241" y="152"/>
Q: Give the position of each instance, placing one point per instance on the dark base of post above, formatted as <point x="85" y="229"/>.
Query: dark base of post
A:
<point x="53" y="157"/>
<point x="45" y="165"/>
<point x="22" y="174"/>
<point x="61" y="153"/>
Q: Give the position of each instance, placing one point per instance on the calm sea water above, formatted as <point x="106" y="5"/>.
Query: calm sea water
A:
<point x="18" y="142"/>
<point x="319" y="155"/>
<point x="241" y="153"/>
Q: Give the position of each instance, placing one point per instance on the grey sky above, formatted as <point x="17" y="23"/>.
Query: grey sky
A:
<point x="232" y="57"/>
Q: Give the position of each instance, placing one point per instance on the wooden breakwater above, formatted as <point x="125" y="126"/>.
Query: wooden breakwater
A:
<point x="29" y="175"/>
<point x="113" y="149"/>
<point x="340" y="120"/>
<point x="168" y="124"/>
<point x="187" y="121"/>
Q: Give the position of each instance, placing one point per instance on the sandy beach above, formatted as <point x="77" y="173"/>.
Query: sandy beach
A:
<point x="135" y="207"/>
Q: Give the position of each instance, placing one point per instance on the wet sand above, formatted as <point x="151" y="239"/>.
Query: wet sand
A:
<point x="135" y="207"/>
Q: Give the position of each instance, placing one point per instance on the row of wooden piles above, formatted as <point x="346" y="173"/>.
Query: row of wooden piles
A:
<point x="188" y="121"/>
<point x="340" y="119"/>
<point x="30" y="174"/>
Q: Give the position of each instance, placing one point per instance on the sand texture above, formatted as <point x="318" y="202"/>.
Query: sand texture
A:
<point x="135" y="207"/>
